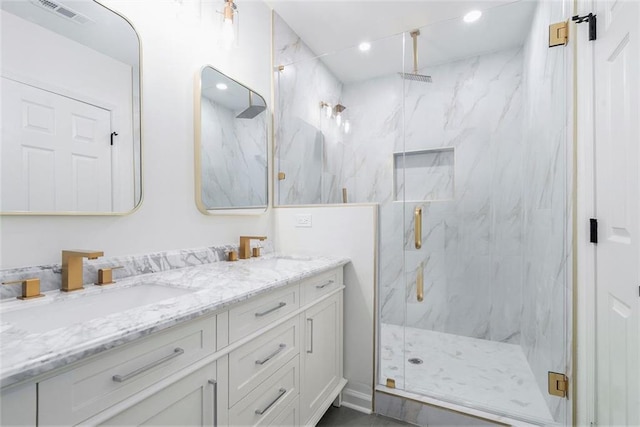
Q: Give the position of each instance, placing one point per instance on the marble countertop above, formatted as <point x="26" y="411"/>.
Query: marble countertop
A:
<point x="25" y="354"/>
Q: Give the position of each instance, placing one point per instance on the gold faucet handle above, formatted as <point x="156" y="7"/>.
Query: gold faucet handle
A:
<point x="105" y="275"/>
<point x="30" y="288"/>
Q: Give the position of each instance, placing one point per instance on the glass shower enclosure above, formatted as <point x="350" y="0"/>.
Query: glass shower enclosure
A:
<point x="469" y="156"/>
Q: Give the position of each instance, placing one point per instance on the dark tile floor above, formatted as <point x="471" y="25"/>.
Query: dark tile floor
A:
<point x="348" y="417"/>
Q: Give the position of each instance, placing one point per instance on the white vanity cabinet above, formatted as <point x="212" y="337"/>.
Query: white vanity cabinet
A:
<point x="273" y="359"/>
<point x="98" y="383"/>
<point x="18" y="405"/>
<point x="322" y="358"/>
<point x="190" y="401"/>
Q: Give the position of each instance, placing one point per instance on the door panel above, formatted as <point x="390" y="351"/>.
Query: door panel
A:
<point x="56" y="152"/>
<point x="617" y="67"/>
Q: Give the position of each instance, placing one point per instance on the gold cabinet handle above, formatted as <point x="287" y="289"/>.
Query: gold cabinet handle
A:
<point x="417" y="219"/>
<point x="420" y="283"/>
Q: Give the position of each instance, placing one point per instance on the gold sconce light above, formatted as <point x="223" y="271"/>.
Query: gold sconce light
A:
<point x="229" y="25"/>
<point x="336" y="112"/>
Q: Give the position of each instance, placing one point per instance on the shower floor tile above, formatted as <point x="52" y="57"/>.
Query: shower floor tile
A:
<point x="478" y="373"/>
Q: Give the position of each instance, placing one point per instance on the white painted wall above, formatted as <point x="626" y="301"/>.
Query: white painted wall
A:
<point x="178" y="38"/>
<point x="348" y="231"/>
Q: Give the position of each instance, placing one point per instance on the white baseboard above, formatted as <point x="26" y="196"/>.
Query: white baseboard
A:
<point x="361" y="402"/>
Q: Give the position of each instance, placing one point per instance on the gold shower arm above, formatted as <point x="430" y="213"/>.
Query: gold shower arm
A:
<point x="414" y="36"/>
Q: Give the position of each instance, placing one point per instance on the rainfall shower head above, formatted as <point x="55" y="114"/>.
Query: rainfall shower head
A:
<point x="252" y="111"/>
<point x="415" y="76"/>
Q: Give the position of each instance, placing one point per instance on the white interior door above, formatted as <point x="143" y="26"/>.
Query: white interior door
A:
<point x="56" y="152"/>
<point x="617" y="118"/>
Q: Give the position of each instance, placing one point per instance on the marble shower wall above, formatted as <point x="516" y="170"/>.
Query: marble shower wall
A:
<point x="230" y="146"/>
<point x="472" y="247"/>
<point x="303" y="136"/>
<point x="497" y="254"/>
<point x="547" y="205"/>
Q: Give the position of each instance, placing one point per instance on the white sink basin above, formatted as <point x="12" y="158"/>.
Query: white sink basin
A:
<point x="58" y="314"/>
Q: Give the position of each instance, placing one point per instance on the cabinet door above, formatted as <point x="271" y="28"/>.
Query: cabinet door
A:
<point x="190" y="401"/>
<point x="18" y="405"/>
<point x="322" y="355"/>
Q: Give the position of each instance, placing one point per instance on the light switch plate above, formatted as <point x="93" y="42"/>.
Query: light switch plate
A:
<point x="304" y="220"/>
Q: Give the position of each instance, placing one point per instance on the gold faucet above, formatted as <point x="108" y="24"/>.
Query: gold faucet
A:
<point x="245" y="245"/>
<point x="72" y="268"/>
<point x="30" y="288"/>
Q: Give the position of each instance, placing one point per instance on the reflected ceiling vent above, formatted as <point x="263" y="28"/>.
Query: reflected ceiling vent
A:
<point x="62" y="11"/>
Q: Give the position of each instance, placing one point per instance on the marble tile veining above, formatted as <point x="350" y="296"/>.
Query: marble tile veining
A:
<point x="26" y="354"/>
<point x="478" y="373"/>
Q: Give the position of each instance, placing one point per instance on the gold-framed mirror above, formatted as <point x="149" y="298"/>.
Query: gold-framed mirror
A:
<point x="71" y="109"/>
<point x="231" y="146"/>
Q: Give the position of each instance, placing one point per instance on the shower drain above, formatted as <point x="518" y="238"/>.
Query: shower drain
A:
<point x="415" y="361"/>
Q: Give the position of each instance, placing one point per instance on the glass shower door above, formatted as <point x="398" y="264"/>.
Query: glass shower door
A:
<point x="485" y="173"/>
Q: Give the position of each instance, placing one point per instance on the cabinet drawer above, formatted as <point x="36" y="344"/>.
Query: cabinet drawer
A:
<point x="314" y="287"/>
<point x="252" y="363"/>
<point x="290" y="416"/>
<point x="262" y="311"/>
<point x="263" y="405"/>
<point x="103" y="381"/>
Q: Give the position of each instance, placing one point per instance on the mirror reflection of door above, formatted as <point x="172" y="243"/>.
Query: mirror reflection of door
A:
<point x="56" y="153"/>
<point x="70" y="78"/>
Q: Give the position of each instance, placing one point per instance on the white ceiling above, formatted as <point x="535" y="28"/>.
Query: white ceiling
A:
<point x="337" y="27"/>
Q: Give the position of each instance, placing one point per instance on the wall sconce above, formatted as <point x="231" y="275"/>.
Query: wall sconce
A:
<point x="337" y="112"/>
<point x="326" y="107"/>
<point x="230" y="24"/>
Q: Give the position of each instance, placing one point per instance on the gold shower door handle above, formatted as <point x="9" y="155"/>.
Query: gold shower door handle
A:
<point x="417" y="227"/>
<point x="420" y="282"/>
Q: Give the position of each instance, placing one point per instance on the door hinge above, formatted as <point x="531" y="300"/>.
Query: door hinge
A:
<point x="559" y="34"/>
<point x="281" y="176"/>
<point x="558" y="384"/>
<point x="112" y="135"/>
<point x="591" y="19"/>
<point x="593" y="230"/>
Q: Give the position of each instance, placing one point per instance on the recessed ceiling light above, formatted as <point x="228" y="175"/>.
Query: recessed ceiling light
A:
<point x="364" y="46"/>
<point x="221" y="86"/>
<point x="472" y="16"/>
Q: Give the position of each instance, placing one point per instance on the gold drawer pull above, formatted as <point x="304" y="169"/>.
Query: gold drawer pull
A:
<point x="417" y="227"/>
<point x="272" y="355"/>
<point x="330" y="282"/>
<point x="277" y="307"/>
<point x="281" y="393"/>
<point x="122" y="378"/>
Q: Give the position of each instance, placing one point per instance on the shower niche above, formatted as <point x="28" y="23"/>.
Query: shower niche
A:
<point x="424" y="175"/>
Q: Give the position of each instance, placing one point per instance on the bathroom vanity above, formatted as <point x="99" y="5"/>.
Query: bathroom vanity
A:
<point x="256" y="342"/>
